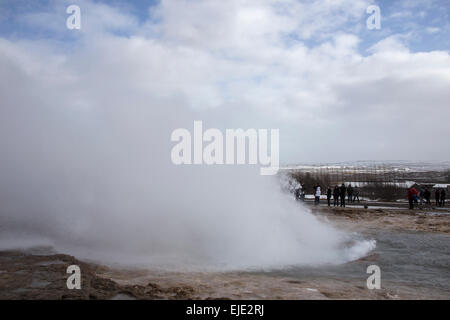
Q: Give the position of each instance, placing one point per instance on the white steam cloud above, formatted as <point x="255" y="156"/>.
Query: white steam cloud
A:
<point x="86" y="168"/>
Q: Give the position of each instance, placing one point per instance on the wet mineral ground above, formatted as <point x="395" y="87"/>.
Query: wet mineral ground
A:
<point x="412" y="252"/>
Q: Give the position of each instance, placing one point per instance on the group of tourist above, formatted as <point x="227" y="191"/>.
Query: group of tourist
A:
<point x="339" y="193"/>
<point x="350" y="193"/>
<point x="424" y="196"/>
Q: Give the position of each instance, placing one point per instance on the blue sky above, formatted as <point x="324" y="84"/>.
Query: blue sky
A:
<point x="424" y="25"/>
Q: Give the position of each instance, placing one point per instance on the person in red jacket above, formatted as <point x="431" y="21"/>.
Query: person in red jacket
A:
<point x="412" y="196"/>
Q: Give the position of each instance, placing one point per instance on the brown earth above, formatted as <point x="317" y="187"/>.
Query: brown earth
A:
<point x="29" y="276"/>
<point x="392" y="219"/>
<point x="37" y="277"/>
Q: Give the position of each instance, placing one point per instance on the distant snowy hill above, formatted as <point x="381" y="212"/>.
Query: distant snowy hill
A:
<point x="400" y="165"/>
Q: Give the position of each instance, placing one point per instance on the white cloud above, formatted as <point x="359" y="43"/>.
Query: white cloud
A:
<point x="236" y="62"/>
<point x="432" y="30"/>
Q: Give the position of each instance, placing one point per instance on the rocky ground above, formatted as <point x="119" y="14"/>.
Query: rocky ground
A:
<point x="42" y="275"/>
<point x="26" y="275"/>
<point x="394" y="219"/>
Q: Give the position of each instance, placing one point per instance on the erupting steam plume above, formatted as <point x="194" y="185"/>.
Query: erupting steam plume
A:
<point x="85" y="167"/>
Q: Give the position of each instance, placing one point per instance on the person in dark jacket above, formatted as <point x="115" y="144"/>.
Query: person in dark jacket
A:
<point x="336" y="196"/>
<point x="342" y="192"/>
<point x="355" y="193"/>
<point x="329" y="196"/>
<point x="437" y="195"/>
<point x="297" y="194"/>
<point x="442" y="197"/>
<point x="350" y="193"/>
<point x="427" y="196"/>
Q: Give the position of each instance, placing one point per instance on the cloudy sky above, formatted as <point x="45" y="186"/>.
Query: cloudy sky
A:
<point x="336" y="90"/>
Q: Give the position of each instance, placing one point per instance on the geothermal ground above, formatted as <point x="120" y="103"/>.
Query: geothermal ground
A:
<point x="411" y="252"/>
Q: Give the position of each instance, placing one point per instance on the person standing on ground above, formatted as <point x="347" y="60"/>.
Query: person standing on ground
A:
<point x="350" y="193"/>
<point x="342" y="191"/>
<point x="329" y="196"/>
<point x="314" y="192"/>
<point x="297" y="193"/>
<point x="317" y="195"/>
<point x="442" y="197"/>
<point x="336" y="196"/>
<point x="302" y="193"/>
<point x="421" y="195"/>
<point x="355" y="193"/>
<point x="427" y="196"/>
<point x="437" y="196"/>
<point x="412" y="197"/>
<point x="416" y="195"/>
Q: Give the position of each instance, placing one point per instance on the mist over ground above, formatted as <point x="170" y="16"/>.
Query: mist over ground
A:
<point x="97" y="181"/>
<point x="86" y="168"/>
